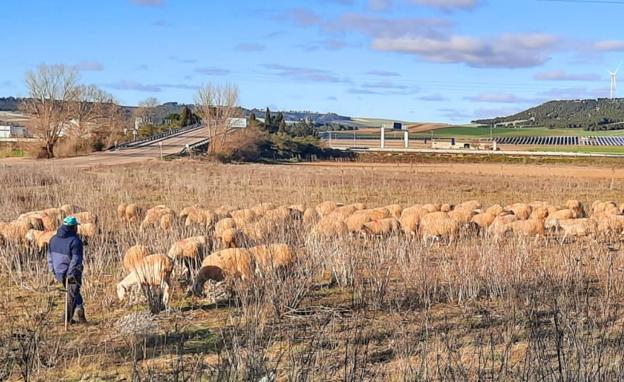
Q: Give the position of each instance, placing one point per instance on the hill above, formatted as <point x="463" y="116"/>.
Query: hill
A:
<point x="10" y="104"/>
<point x="589" y="114"/>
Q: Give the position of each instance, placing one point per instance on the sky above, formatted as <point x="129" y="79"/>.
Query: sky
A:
<point x="412" y="60"/>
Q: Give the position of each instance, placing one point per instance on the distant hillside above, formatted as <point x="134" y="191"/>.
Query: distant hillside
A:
<point x="590" y="114"/>
<point x="12" y="103"/>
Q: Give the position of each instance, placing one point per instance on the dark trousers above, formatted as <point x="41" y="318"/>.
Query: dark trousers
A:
<point x="74" y="299"/>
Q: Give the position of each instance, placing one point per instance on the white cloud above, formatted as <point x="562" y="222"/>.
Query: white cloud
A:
<point x="86" y="66"/>
<point x="497" y="98"/>
<point x="505" y="51"/>
<point x="610" y="45"/>
<point x="448" y="4"/>
<point x="561" y="75"/>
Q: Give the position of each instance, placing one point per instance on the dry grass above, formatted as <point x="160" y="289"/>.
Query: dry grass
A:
<point x="352" y="309"/>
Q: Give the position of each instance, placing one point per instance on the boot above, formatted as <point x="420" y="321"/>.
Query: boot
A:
<point x="80" y="314"/>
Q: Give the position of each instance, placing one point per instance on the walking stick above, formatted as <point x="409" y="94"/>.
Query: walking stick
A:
<point x="66" y="301"/>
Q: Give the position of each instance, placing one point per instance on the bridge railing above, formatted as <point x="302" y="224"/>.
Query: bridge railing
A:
<point x="151" y="138"/>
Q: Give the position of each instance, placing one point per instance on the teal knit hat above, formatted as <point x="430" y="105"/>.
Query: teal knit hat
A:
<point x="70" y="220"/>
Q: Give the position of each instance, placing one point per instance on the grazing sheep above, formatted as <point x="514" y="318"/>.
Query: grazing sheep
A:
<point x="470" y="205"/>
<point x="381" y="227"/>
<point x="563" y="214"/>
<point x="15" y="232"/>
<point x="330" y="228"/>
<point x="224" y="211"/>
<point x="539" y="213"/>
<point x="461" y="215"/>
<point x="608" y="223"/>
<point x="326" y="207"/>
<point x="273" y="256"/>
<point x="310" y="216"/>
<point x="355" y="222"/>
<point x="432" y="207"/>
<point x="166" y="222"/>
<point x="608" y="207"/>
<point x="154" y="215"/>
<point x="88" y="230"/>
<point x="576" y="207"/>
<point x="495" y="210"/>
<point x="121" y="211"/>
<point x="223" y="225"/>
<point x="134" y="256"/>
<point x="262" y="208"/>
<point x="299" y="207"/>
<point x="153" y="271"/>
<point x="529" y="227"/>
<point x="243" y="217"/>
<point x="395" y="210"/>
<point x="242" y="263"/>
<point x="86" y="217"/>
<point x="230" y="238"/>
<point x="446" y="207"/>
<point x="500" y="225"/>
<point x="576" y="227"/>
<point x="438" y="225"/>
<point x="521" y="210"/>
<point x="409" y="222"/>
<point x="483" y="220"/>
<point x="189" y="251"/>
<point x="39" y="239"/>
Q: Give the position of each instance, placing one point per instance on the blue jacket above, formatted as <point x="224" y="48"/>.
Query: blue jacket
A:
<point x="65" y="254"/>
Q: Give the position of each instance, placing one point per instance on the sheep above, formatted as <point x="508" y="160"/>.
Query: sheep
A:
<point x="521" y="210"/>
<point x="299" y="207"/>
<point x="446" y="207"/>
<point x="189" y="251"/>
<point x="224" y="211"/>
<point x="539" y="213"/>
<point x="577" y="227"/>
<point x="121" y="211"/>
<point x="242" y="263"/>
<point x="39" y="239"/>
<point x="273" y="256"/>
<point x="470" y="205"/>
<point x="326" y="207"/>
<point x="152" y="271"/>
<point x="329" y="228"/>
<point x="86" y="217"/>
<point x="222" y="225"/>
<point x="409" y="222"/>
<point x="134" y="256"/>
<point x="483" y="220"/>
<point x="432" y="207"/>
<point x="563" y="214"/>
<point x="262" y="208"/>
<point x="356" y="222"/>
<point x="577" y="207"/>
<point x="608" y="223"/>
<point x="153" y="216"/>
<point x="230" y="238"/>
<point x="310" y="216"/>
<point x="88" y="230"/>
<point x="495" y="210"/>
<point x="395" y="210"/>
<point x="609" y="207"/>
<point x="381" y="227"/>
<point x="166" y="222"/>
<point x="438" y="224"/>
<point x="15" y="232"/>
<point x="461" y="215"/>
<point x="529" y="227"/>
<point x="243" y="217"/>
<point x="501" y="223"/>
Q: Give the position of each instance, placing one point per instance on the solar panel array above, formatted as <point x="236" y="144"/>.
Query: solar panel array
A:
<point x="561" y="141"/>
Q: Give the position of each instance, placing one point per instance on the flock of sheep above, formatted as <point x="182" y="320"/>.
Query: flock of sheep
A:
<point x="240" y="243"/>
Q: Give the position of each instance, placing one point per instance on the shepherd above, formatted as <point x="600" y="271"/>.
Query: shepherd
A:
<point x="65" y="256"/>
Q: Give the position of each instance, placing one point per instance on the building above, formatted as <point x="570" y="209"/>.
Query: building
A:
<point x="7" y="132"/>
<point x="449" y="145"/>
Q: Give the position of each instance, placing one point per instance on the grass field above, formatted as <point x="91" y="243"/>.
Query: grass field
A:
<point x="583" y="149"/>
<point x="352" y="308"/>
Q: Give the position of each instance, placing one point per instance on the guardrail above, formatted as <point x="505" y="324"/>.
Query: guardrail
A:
<point x="156" y="137"/>
<point x="197" y="146"/>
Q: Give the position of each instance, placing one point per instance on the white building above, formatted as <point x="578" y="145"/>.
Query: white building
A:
<point x="12" y="131"/>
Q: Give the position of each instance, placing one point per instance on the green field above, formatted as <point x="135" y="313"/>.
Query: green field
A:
<point x="615" y="150"/>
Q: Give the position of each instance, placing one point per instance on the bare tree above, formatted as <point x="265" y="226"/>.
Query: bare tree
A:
<point x="216" y="105"/>
<point x="147" y="110"/>
<point x="53" y="93"/>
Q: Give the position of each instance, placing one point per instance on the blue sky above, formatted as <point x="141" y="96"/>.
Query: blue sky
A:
<point x="416" y="60"/>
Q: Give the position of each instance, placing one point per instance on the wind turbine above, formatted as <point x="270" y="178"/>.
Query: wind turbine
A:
<point x="614" y="81"/>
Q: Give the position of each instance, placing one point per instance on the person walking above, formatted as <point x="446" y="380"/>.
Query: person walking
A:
<point x="65" y="255"/>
